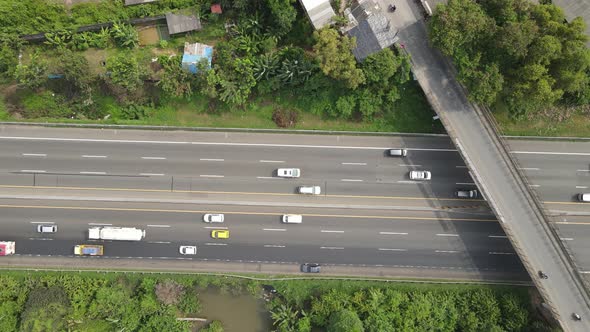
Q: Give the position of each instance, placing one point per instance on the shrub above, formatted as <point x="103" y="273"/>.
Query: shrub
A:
<point x="169" y="292"/>
<point x="285" y="118"/>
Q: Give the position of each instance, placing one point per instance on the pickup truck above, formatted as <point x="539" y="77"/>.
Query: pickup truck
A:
<point x="88" y="250"/>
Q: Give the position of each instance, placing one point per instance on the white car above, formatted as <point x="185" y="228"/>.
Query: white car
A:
<point x="46" y="228"/>
<point x="420" y="175"/>
<point x="309" y="190"/>
<point x="292" y="218"/>
<point x="213" y="217"/>
<point x="288" y="172"/>
<point x="188" y="250"/>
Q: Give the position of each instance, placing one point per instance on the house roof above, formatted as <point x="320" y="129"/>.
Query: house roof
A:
<point x="216" y="8"/>
<point x="182" y="23"/>
<point x="372" y="35"/>
<point x="137" y="2"/>
<point x="320" y="12"/>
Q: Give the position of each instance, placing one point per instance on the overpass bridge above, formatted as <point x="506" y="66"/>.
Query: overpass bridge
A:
<point x="497" y="174"/>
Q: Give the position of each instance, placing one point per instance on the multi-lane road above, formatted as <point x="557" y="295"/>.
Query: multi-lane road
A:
<point x="369" y="213"/>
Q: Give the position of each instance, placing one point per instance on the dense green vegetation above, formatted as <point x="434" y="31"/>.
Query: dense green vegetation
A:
<point x="266" y="58"/>
<point x="516" y="55"/>
<point x="45" y="301"/>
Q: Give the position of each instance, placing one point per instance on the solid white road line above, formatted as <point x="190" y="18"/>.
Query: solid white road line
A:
<point x="500" y="253"/>
<point x="161" y="226"/>
<point x="465" y="183"/>
<point x="215" y="244"/>
<point x="553" y="153"/>
<point x="581" y="187"/>
<point x="98" y="224"/>
<point x="566" y="238"/>
<point x="159" y="242"/>
<point x="151" y="174"/>
<point x="355" y="164"/>
<point x="92" y="156"/>
<point x="351" y="180"/>
<point x="328" y="231"/>
<point x="498" y="236"/>
<point x="42" y="222"/>
<point x="211" y="159"/>
<point x="96" y="140"/>
<point x="392" y="233"/>
<point x="33" y="171"/>
<point x="153" y="158"/>
<point x="266" y="177"/>
<point x="274" y="229"/>
<point x="529" y="168"/>
<point x="94" y="173"/>
<point x="406" y="165"/>
<point x="460" y="166"/>
<point x="273" y="246"/>
<point x="332" y="248"/>
<point x="391" y="249"/>
<point x="271" y="161"/>
<point x="215" y="227"/>
<point x="35" y="154"/>
<point x="40" y="238"/>
<point x="408" y="182"/>
<point x="583" y="170"/>
<point x="534" y="185"/>
<point x="210" y="176"/>
<point x="446" y="251"/>
<point x="446" y="234"/>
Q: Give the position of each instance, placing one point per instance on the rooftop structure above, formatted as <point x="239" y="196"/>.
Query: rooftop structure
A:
<point x="137" y="2"/>
<point x="372" y="35"/>
<point x="193" y="54"/>
<point x="320" y="12"/>
<point x="182" y="23"/>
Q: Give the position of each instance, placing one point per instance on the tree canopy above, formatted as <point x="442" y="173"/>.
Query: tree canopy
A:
<point x="526" y="55"/>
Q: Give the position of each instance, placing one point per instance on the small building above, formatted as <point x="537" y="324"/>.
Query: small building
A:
<point x="362" y="9"/>
<point x="320" y="12"/>
<point x="216" y="8"/>
<point x="137" y="2"/>
<point x="178" y="23"/>
<point x="372" y="35"/>
<point x="193" y="54"/>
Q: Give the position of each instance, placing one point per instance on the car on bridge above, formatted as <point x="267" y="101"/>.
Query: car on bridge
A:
<point x="466" y="193"/>
<point x="584" y="197"/>
<point x="309" y="190"/>
<point x="420" y="175"/>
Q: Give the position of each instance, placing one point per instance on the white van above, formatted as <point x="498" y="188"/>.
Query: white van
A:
<point x="309" y="190"/>
<point x="292" y="218"/>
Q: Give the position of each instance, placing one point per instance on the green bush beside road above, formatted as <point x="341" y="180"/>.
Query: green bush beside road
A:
<point x="87" y="301"/>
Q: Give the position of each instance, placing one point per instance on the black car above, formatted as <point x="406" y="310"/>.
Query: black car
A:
<point x="310" y="268"/>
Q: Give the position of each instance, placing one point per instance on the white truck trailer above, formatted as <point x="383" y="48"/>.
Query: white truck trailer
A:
<point x="116" y="233"/>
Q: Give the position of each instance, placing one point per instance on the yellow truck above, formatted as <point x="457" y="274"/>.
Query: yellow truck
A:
<point x="88" y="250"/>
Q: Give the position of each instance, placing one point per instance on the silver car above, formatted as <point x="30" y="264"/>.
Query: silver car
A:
<point x="466" y="193"/>
<point x="309" y="190"/>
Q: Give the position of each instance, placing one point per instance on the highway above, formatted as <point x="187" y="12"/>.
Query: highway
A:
<point x="237" y="170"/>
<point x="330" y="236"/>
